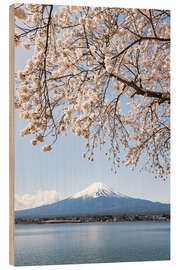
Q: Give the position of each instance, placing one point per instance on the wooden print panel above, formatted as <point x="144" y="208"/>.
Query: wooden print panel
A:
<point x="89" y="135"/>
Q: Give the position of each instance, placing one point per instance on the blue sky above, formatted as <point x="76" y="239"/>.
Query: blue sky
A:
<point x="63" y="169"/>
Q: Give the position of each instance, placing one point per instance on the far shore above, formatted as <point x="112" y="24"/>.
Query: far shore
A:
<point x="162" y="217"/>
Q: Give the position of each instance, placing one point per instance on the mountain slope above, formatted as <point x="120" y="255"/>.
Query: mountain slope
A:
<point x="97" y="199"/>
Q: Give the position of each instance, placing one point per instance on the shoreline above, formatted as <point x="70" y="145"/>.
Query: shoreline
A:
<point x="163" y="218"/>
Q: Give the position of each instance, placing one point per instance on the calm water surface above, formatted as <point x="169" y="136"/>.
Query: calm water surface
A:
<point x="42" y="244"/>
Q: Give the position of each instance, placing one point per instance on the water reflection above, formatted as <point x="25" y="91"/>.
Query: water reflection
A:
<point x="91" y="242"/>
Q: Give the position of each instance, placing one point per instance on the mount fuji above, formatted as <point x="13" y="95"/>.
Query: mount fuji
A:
<point x="97" y="199"/>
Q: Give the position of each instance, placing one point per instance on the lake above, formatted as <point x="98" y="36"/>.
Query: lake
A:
<point x="47" y="244"/>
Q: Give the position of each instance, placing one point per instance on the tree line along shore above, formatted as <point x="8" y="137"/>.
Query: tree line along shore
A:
<point x="86" y="219"/>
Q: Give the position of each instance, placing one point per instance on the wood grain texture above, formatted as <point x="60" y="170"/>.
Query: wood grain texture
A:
<point x="11" y="134"/>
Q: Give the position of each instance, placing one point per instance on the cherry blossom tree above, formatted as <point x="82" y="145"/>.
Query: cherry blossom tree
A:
<point x="100" y="73"/>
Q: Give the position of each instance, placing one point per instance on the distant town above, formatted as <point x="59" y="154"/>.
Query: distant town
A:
<point x="86" y="219"/>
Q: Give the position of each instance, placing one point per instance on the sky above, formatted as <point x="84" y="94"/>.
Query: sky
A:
<point x="42" y="178"/>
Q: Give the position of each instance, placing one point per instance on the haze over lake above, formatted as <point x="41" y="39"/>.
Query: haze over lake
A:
<point x="40" y="244"/>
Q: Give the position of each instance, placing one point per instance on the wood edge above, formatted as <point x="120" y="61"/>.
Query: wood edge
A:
<point x="11" y="134"/>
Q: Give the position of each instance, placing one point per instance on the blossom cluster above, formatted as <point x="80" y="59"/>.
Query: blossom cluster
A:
<point x="85" y="60"/>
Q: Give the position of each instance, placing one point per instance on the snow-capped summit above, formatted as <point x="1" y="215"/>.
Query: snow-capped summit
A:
<point x="97" y="190"/>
